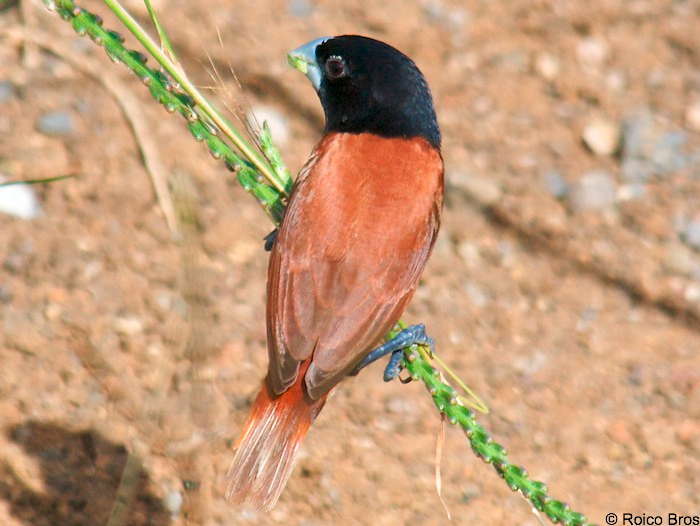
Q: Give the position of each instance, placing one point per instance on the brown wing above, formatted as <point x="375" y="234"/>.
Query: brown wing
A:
<point x="357" y="233"/>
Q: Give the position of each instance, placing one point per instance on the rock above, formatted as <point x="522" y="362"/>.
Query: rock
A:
<point x="531" y="364"/>
<point x="18" y="257"/>
<point x="547" y="66"/>
<point x="128" y="325"/>
<point x="638" y="135"/>
<point x="399" y="406"/>
<point x="515" y="61"/>
<point x="476" y="294"/>
<point x="616" y="81"/>
<point x="681" y="260"/>
<point x="7" y="90"/>
<point x="593" y="191"/>
<point x="692" y="293"/>
<point x="483" y="190"/>
<point x="469" y="252"/>
<point x="300" y="8"/>
<point x="555" y="184"/>
<point x="691" y="233"/>
<point x="56" y="123"/>
<point x="5" y="293"/>
<point x="668" y="154"/>
<point x="454" y="19"/>
<point x="637" y="170"/>
<point x="602" y="136"/>
<point x="692" y="115"/>
<point x="469" y="492"/>
<point x="482" y="105"/>
<point x="586" y="319"/>
<point x="592" y="51"/>
<point x="19" y="200"/>
<point x="277" y="122"/>
<point x="173" y="502"/>
<point x="631" y="191"/>
<point x="648" y="149"/>
<point x="656" y="78"/>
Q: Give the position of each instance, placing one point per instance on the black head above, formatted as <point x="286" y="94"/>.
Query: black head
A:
<point x="368" y="86"/>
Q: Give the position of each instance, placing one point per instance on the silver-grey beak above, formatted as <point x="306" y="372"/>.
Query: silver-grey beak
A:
<point x="303" y="58"/>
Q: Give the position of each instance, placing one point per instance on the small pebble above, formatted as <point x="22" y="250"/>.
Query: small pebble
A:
<point x="631" y="191"/>
<point x="57" y="123"/>
<point x="648" y="149"/>
<point x="128" y="325"/>
<point x="637" y="170"/>
<point x="14" y="262"/>
<point x="616" y="81"/>
<point x="602" y="136"/>
<point x="456" y="18"/>
<point x="691" y="233"/>
<point x="469" y="252"/>
<point x="513" y="61"/>
<point x="277" y="122"/>
<point x="530" y="364"/>
<point x="476" y="294"/>
<point x="681" y="260"/>
<point x="587" y="317"/>
<point x="483" y="190"/>
<point x="592" y="51"/>
<point x="547" y="66"/>
<point x="453" y="18"/>
<point x="7" y="90"/>
<point x="470" y="491"/>
<point x="5" y="294"/>
<point x="638" y="134"/>
<point x="398" y="405"/>
<point x="593" y="191"/>
<point x="668" y="155"/>
<point x="692" y="115"/>
<point x="173" y="502"/>
<point x="692" y="293"/>
<point x="482" y="105"/>
<point x="300" y="8"/>
<point x="555" y="184"/>
<point x="656" y="78"/>
<point x="19" y="200"/>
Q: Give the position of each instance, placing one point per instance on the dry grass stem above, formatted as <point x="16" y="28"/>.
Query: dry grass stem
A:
<point x="130" y="105"/>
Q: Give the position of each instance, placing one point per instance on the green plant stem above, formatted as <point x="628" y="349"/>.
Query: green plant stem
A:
<point x="155" y="51"/>
<point x="416" y="359"/>
<point x="446" y="399"/>
<point x="85" y="23"/>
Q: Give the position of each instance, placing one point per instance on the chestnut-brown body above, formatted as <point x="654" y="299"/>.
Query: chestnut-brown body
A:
<point x="359" y="228"/>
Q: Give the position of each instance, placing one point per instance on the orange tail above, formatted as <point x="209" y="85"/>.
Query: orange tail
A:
<point x="268" y="444"/>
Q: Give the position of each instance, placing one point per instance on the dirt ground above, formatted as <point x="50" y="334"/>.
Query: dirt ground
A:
<point x="570" y="305"/>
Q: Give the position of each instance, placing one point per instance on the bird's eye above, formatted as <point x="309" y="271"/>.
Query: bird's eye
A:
<point x="336" y="68"/>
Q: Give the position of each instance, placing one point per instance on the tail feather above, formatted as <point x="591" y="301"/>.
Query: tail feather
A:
<point x="268" y="445"/>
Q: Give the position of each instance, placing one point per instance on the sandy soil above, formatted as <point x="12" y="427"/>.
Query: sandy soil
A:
<point x="577" y="323"/>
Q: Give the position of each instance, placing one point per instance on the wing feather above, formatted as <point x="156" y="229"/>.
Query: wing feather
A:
<point x="358" y="231"/>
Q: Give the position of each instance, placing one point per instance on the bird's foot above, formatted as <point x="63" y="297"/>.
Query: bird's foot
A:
<point x="415" y="334"/>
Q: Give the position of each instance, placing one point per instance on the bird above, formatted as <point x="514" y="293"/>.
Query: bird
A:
<point x="360" y="224"/>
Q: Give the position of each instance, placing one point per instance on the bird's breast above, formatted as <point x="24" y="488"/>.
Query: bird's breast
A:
<point x="364" y="188"/>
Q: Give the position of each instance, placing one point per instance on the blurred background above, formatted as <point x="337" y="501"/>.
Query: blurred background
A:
<point x="565" y="287"/>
